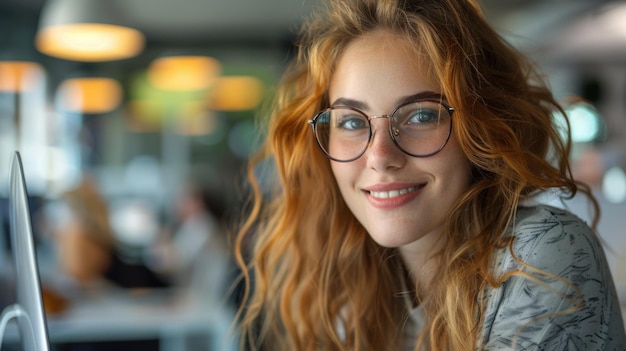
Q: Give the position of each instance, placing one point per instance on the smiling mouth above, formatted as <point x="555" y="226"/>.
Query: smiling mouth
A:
<point x="395" y="193"/>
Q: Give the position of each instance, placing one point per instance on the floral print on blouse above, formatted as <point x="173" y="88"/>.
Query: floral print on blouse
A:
<point x="572" y="306"/>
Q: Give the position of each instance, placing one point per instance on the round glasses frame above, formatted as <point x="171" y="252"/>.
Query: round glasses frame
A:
<point x="393" y="132"/>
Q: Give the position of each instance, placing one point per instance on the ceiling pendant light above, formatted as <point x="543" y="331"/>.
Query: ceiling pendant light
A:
<point x="86" y="30"/>
<point x="91" y="95"/>
<point x="184" y="72"/>
<point x="20" y="76"/>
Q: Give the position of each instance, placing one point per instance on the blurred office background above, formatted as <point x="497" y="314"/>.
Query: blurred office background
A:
<point x="154" y="136"/>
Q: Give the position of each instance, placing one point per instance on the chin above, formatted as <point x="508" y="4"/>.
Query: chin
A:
<point x="390" y="241"/>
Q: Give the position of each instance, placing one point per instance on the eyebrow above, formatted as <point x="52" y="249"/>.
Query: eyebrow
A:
<point x="363" y="106"/>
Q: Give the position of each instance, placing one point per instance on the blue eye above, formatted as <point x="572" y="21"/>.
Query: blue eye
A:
<point x="351" y="122"/>
<point x="422" y="116"/>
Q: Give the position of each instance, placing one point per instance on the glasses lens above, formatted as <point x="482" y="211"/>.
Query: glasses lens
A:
<point x="421" y="128"/>
<point x="342" y="133"/>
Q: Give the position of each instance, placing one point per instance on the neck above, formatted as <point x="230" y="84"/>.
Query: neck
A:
<point x="421" y="261"/>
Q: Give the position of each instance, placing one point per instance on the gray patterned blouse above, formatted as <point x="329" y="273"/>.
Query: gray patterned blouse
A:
<point x="572" y="307"/>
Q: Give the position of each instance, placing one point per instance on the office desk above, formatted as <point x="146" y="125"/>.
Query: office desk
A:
<point x="180" y="321"/>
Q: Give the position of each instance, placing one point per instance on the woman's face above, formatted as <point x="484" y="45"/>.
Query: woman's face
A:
<point x="402" y="201"/>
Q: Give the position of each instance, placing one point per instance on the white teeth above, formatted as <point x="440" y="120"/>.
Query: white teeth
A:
<point x="392" y="193"/>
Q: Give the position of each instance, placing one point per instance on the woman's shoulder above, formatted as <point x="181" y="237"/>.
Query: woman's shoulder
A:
<point x="563" y="288"/>
<point x="552" y="240"/>
<point x="546" y="229"/>
<point x="546" y="218"/>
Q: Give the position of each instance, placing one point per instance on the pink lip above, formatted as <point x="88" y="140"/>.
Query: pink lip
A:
<point x="396" y="201"/>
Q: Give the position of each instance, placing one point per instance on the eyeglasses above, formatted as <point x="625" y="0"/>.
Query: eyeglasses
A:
<point x="419" y="128"/>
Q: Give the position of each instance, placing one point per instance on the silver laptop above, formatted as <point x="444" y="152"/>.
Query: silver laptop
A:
<point x="28" y="309"/>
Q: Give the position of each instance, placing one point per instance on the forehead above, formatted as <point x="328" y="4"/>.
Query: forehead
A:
<point x="382" y="46"/>
<point x="381" y="64"/>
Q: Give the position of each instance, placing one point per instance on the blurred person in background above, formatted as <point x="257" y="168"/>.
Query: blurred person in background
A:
<point x="86" y="246"/>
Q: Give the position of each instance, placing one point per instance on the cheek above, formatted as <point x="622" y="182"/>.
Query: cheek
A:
<point x="345" y="174"/>
<point x="337" y="172"/>
<point x="451" y="171"/>
<point x="458" y="168"/>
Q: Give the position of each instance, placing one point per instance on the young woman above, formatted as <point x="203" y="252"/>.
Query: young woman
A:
<point x="408" y="141"/>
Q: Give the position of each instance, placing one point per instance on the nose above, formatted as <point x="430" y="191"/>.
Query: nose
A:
<point x="382" y="153"/>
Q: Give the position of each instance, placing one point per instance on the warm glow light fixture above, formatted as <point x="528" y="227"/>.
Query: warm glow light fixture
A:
<point x="184" y="73"/>
<point x="19" y="76"/>
<point x="90" y="95"/>
<point x="86" y="30"/>
<point x="236" y="93"/>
